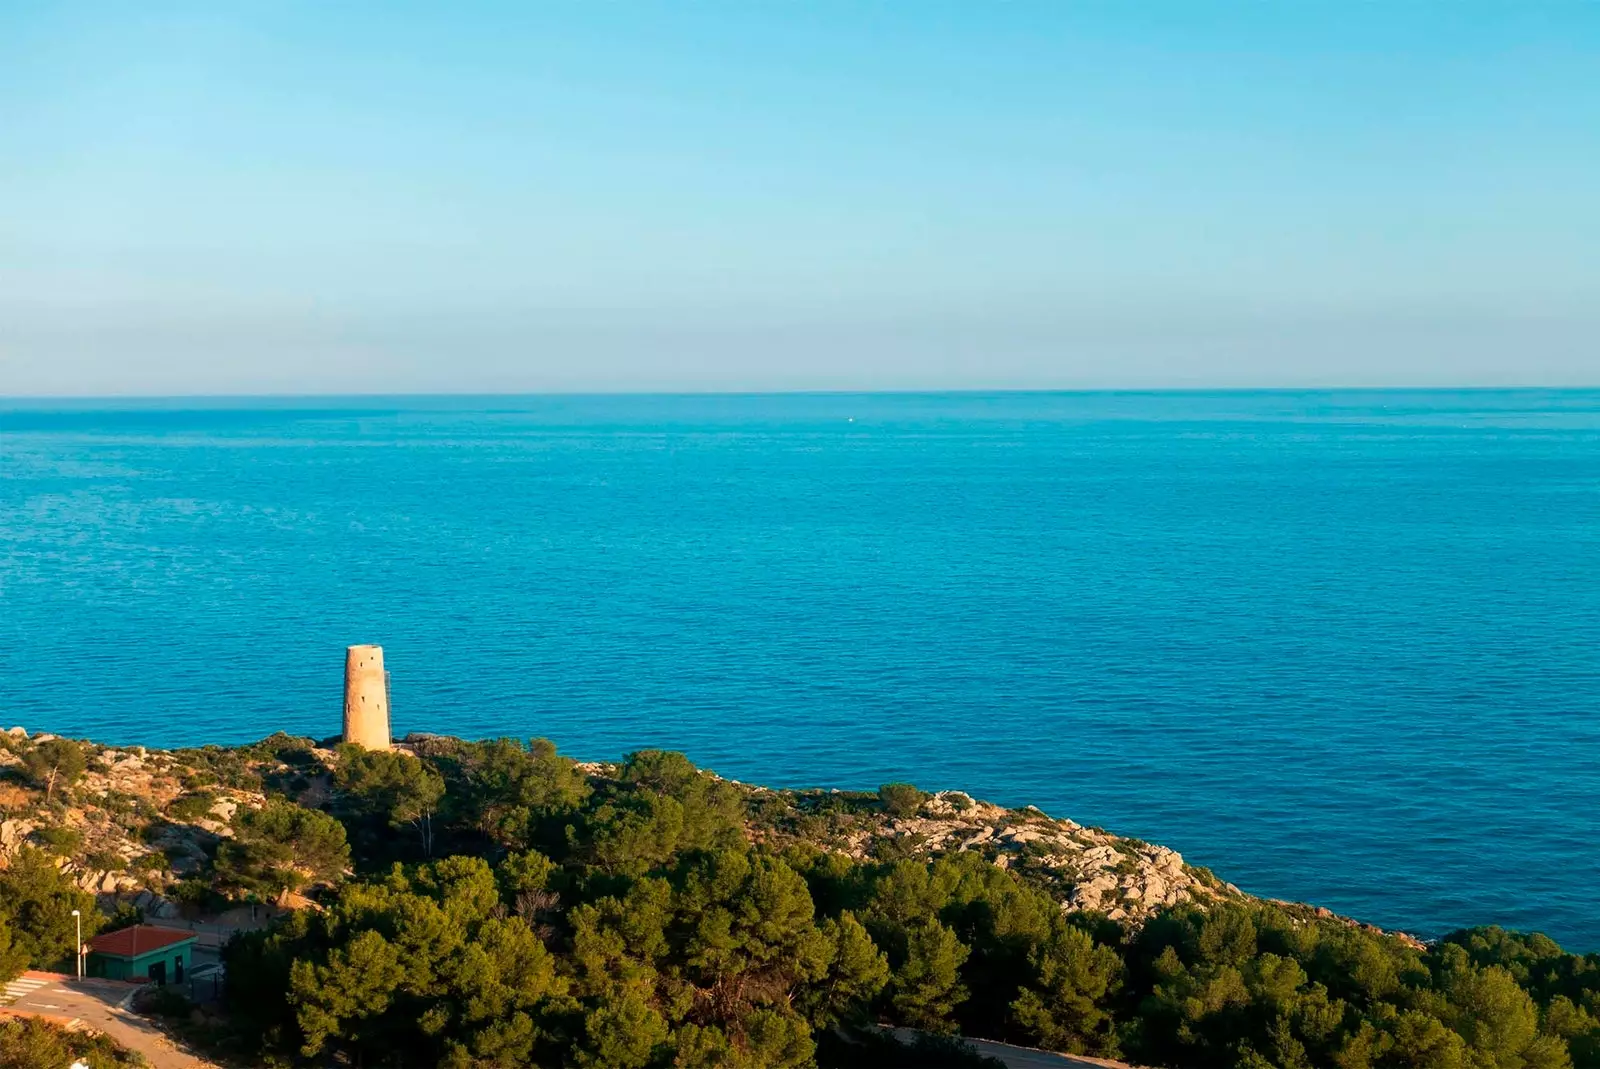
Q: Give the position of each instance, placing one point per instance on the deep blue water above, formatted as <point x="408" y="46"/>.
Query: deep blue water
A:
<point x="1342" y="647"/>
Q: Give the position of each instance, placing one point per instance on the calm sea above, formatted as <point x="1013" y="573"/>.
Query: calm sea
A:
<point x="1341" y="647"/>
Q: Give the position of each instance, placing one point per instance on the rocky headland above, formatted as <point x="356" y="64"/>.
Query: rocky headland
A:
<point x="140" y="821"/>
<point x="496" y="903"/>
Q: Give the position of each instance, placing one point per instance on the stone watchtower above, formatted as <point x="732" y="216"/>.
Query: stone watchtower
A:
<point x="366" y="698"/>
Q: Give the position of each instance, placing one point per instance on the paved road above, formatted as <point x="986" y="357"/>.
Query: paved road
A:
<point x="1027" y="1057"/>
<point x="98" y="1005"/>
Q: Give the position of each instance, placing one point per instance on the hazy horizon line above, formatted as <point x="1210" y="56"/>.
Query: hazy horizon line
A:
<point x="909" y="391"/>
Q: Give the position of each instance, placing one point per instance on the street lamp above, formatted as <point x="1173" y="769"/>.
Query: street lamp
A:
<point x="77" y="948"/>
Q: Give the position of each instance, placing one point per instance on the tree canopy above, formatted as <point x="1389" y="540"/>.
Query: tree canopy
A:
<point x="496" y="904"/>
<point x="642" y="919"/>
<point x="54" y="763"/>
<point x="396" y="788"/>
<point x="282" y="847"/>
<point x="37" y="929"/>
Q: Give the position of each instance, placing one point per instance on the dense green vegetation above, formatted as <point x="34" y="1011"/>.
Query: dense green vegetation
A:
<point x="900" y="799"/>
<point x="493" y="904"/>
<point x="55" y="763"/>
<point x="34" y="1044"/>
<point x="37" y="929"/>
<point x="281" y="847"/>
<point x="511" y="911"/>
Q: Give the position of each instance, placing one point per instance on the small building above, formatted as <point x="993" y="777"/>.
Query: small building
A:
<point x="162" y="954"/>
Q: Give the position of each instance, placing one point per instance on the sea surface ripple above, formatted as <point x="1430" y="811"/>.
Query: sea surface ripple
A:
<point x="1340" y="646"/>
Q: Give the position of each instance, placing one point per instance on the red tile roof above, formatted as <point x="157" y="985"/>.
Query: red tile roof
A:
<point x="140" y="939"/>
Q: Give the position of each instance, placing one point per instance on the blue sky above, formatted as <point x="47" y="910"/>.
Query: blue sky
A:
<point x="796" y="194"/>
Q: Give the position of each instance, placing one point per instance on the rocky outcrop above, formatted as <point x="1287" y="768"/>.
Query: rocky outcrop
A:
<point x="13" y="834"/>
<point x="100" y="882"/>
<point x="120" y="842"/>
<point x="185" y="846"/>
<point x="134" y="772"/>
<point x="1088" y="868"/>
<point x="152" y="905"/>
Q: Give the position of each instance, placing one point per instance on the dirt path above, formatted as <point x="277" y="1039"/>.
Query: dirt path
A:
<point x="98" y="1004"/>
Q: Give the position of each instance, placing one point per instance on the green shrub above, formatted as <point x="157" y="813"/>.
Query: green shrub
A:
<point x="195" y="896"/>
<point x="149" y="865"/>
<point x="290" y="749"/>
<point x="125" y="916"/>
<point x="59" y="840"/>
<point x="164" y="1002"/>
<point x="217" y="765"/>
<point x="900" y="799"/>
<point x="55" y="764"/>
<point x="192" y="807"/>
<point x="104" y="861"/>
<point x="30" y="1041"/>
<point x="128" y="810"/>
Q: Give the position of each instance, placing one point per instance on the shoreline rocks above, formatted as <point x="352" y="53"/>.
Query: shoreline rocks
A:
<point x="123" y="797"/>
<point x="1091" y="869"/>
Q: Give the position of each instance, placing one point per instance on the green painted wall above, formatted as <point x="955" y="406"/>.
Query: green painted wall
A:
<point x="115" y="968"/>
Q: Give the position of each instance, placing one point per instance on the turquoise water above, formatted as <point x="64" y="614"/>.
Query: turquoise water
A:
<point x="1342" y="647"/>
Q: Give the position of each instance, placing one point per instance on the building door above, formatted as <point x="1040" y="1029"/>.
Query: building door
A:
<point x="177" y="969"/>
<point x="158" y="972"/>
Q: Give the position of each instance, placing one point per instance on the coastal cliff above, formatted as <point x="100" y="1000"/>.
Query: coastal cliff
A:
<point x="142" y="819"/>
<point x="495" y="903"/>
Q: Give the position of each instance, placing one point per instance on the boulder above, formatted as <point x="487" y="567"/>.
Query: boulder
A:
<point x="984" y="834"/>
<point x="1021" y="835"/>
<point x="1089" y="893"/>
<point x="186" y="863"/>
<point x="13" y="833"/>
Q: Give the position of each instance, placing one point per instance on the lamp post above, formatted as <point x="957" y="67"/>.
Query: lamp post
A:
<point x="77" y="948"/>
